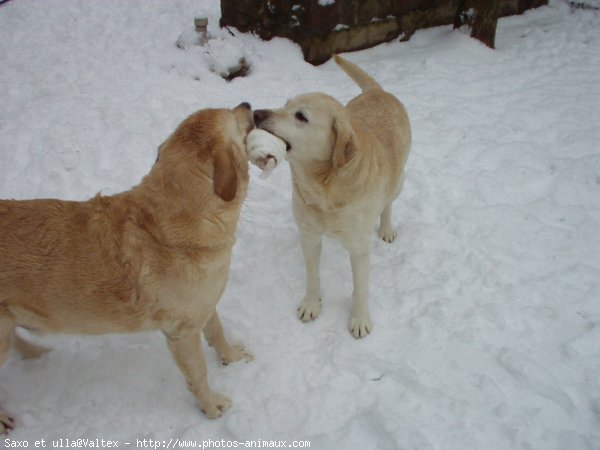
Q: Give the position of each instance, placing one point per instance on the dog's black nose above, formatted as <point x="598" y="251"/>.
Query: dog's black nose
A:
<point x="244" y="105"/>
<point x="260" y="115"/>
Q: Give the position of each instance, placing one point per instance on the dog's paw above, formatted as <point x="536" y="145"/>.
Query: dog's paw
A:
<point x="215" y="405"/>
<point x="29" y="350"/>
<point x="6" y="423"/>
<point x="309" y="310"/>
<point x="360" y="325"/>
<point x="388" y="234"/>
<point x="237" y="353"/>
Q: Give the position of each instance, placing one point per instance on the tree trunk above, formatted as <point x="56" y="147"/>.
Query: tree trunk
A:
<point x="481" y="16"/>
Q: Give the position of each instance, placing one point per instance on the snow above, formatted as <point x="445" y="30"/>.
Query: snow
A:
<point x="486" y="309"/>
<point x="340" y="27"/>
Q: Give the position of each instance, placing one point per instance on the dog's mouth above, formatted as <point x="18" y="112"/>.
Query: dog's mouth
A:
<point x="288" y="146"/>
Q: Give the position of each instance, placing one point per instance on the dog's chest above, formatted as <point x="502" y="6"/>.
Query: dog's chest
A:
<point x="191" y="283"/>
<point x="339" y="223"/>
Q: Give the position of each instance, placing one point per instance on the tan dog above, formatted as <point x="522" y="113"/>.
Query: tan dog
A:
<point x="153" y="258"/>
<point x="347" y="165"/>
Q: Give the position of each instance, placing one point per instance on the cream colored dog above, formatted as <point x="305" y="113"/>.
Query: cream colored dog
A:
<point x="347" y="165"/>
<point x="153" y="258"/>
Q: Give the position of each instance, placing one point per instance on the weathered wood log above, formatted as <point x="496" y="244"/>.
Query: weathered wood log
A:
<point x="323" y="27"/>
<point x="481" y="16"/>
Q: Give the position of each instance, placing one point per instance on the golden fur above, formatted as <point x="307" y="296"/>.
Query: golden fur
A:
<point x="153" y="258"/>
<point x="347" y="165"/>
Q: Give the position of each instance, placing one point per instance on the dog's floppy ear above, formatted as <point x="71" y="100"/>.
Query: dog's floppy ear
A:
<point x="344" y="146"/>
<point x="225" y="176"/>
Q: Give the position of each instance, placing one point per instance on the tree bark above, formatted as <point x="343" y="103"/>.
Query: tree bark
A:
<point x="481" y="16"/>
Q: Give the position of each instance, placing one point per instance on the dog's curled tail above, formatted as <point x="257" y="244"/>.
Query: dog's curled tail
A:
<point x="360" y="77"/>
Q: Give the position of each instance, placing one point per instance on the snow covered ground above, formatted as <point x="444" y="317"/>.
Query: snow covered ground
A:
<point x="486" y="308"/>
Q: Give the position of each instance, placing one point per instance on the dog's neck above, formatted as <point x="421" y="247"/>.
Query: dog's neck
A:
<point x="321" y="185"/>
<point x="182" y="214"/>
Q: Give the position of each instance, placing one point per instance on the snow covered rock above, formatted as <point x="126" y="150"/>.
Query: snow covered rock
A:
<point x="221" y="54"/>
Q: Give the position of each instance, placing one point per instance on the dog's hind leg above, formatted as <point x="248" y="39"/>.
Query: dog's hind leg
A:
<point x="386" y="229"/>
<point x="213" y="331"/>
<point x="27" y="349"/>
<point x="7" y="326"/>
<point x="360" y="320"/>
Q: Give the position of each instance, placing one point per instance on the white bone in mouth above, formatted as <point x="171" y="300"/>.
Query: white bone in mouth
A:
<point x="265" y="150"/>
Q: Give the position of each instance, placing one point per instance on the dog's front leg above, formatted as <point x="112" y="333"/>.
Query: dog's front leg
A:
<point x="184" y="343"/>
<point x="360" y="320"/>
<point x="7" y="327"/>
<point x="215" y="336"/>
<point x="310" y="307"/>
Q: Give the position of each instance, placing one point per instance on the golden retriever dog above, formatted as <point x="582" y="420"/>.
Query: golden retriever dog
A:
<point x="347" y="165"/>
<point x="153" y="258"/>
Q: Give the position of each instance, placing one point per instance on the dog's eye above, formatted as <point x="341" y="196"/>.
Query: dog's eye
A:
<point x="301" y="117"/>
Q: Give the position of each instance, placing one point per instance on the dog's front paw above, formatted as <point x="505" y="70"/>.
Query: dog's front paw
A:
<point x="6" y="423"/>
<point x="360" y="325"/>
<point x="215" y="405"/>
<point x="237" y="353"/>
<point x="388" y="234"/>
<point x="309" y="310"/>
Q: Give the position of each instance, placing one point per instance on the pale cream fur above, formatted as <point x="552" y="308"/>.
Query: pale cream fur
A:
<point x="347" y="165"/>
<point x="153" y="258"/>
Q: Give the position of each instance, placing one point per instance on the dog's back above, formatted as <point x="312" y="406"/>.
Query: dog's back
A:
<point x="379" y="110"/>
<point x="63" y="253"/>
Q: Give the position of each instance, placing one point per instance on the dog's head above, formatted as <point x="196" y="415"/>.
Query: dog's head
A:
<point x="315" y="127"/>
<point x="210" y="143"/>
